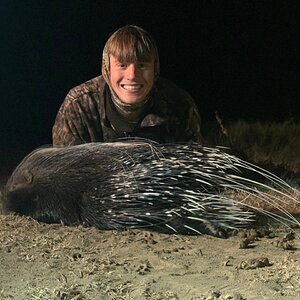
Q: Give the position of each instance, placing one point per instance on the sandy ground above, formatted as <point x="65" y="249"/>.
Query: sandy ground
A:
<point x="41" y="261"/>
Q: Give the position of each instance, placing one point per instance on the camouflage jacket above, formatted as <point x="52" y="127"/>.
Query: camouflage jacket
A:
<point x="172" y="116"/>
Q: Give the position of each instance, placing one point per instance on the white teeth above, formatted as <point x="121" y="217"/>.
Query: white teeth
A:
<point x="135" y="87"/>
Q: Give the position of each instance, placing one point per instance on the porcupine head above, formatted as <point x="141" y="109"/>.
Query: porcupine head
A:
<point x="34" y="190"/>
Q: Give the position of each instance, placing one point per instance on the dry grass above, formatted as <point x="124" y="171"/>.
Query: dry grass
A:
<point x="272" y="145"/>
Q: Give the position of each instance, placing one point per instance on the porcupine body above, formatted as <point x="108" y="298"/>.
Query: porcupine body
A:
<point x="137" y="184"/>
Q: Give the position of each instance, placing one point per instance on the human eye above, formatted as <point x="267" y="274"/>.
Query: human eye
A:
<point x="143" y="65"/>
<point x="121" y="65"/>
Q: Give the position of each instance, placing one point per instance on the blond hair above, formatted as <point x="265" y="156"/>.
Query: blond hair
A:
<point x="130" y="44"/>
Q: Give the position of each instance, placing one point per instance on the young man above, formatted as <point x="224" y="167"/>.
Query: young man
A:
<point x="128" y="100"/>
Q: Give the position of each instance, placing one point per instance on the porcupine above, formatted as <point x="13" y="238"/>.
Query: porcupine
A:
<point x="139" y="184"/>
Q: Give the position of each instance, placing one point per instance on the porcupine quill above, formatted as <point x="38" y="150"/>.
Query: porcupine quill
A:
<point x="140" y="184"/>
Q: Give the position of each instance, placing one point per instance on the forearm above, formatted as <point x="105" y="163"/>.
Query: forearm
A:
<point x="193" y="123"/>
<point x="63" y="135"/>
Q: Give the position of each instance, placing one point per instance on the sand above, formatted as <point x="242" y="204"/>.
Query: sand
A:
<point x="42" y="261"/>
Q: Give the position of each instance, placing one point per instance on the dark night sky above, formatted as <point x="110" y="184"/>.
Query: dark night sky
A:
<point x="237" y="57"/>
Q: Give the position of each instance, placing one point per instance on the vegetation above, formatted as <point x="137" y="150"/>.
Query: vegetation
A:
<point x="269" y="144"/>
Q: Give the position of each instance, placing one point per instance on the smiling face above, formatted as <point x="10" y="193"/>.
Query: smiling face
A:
<point x="131" y="81"/>
<point x="130" y="63"/>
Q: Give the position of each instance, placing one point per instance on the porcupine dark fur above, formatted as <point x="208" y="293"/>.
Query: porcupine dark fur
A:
<point x="138" y="184"/>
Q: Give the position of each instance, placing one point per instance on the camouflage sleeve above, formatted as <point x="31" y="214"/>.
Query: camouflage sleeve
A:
<point x="77" y="122"/>
<point x="192" y="123"/>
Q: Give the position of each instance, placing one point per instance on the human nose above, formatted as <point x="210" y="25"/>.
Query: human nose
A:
<point x="131" y="71"/>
